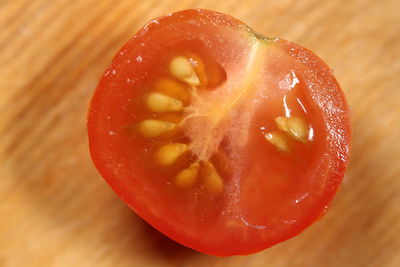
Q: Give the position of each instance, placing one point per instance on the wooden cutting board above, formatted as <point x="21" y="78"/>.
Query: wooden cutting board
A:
<point x="56" y="210"/>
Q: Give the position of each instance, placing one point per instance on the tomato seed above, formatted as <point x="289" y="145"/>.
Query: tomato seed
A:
<point x="181" y="69"/>
<point x="169" y="153"/>
<point x="172" y="88"/>
<point x="187" y="177"/>
<point x="296" y="127"/>
<point x="162" y="103"/>
<point x="212" y="180"/>
<point x="281" y="122"/>
<point x="153" y="128"/>
<point x="279" y="140"/>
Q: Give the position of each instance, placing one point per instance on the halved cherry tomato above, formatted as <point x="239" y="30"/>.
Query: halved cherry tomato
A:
<point x="223" y="140"/>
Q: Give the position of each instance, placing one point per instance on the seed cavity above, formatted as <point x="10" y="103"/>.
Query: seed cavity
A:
<point x="296" y="127"/>
<point x="172" y="88"/>
<point x="212" y="180"/>
<point x="158" y="102"/>
<point x="279" y="140"/>
<point x="187" y="177"/>
<point x="181" y="68"/>
<point x="174" y="93"/>
<point x="154" y="128"/>
<point x="168" y="154"/>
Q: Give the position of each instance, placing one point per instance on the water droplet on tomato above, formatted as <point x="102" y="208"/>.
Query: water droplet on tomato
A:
<point x="289" y="81"/>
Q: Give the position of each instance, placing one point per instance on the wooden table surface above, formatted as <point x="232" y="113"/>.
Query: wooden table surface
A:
<point x="56" y="210"/>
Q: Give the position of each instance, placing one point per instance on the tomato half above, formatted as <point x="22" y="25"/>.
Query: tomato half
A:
<point x="226" y="141"/>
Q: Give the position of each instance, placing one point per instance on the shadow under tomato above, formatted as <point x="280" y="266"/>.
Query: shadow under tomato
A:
<point x="165" y="247"/>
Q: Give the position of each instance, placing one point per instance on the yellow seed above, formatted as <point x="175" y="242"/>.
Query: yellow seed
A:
<point x="187" y="177"/>
<point x="281" y="122"/>
<point x="162" y="103"/>
<point x="153" y="128"/>
<point x="296" y="127"/>
<point x="168" y="154"/>
<point x="212" y="180"/>
<point x="181" y="69"/>
<point x="279" y="140"/>
<point x="172" y="88"/>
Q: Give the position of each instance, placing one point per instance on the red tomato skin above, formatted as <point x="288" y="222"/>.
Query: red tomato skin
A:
<point x="331" y="101"/>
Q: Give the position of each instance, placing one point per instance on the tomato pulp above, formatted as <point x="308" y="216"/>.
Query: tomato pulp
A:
<point x="226" y="141"/>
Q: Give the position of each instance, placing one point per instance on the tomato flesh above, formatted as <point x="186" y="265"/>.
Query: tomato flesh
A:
<point x="225" y="141"/>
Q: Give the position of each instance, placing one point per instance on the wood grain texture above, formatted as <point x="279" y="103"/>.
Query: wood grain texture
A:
<point x="55" y="209"/>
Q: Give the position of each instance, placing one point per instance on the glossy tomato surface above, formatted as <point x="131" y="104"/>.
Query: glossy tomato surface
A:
<point x="223" y="140"/>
